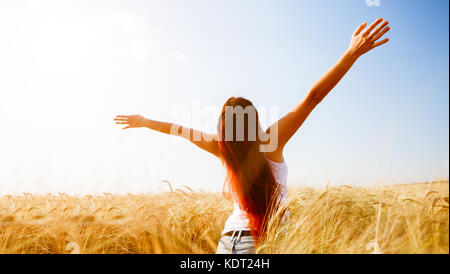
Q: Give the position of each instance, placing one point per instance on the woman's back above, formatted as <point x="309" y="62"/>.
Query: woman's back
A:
<point x="238" y="220"/>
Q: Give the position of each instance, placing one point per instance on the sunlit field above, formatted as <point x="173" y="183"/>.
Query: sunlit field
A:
<point x="387" y="219"/>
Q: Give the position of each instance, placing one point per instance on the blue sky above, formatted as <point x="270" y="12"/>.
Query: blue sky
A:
<point x="70" y="66"/>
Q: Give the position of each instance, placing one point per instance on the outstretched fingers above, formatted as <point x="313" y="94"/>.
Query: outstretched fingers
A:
<point x="121" y="118"/>
<point x="377" y="44"/>
<point x="373" y="25"/>
<point x="381" y="33"/>
<point x="364" y="39"/>
<point x="379" y="28"/>
<point x="359" y="29"/>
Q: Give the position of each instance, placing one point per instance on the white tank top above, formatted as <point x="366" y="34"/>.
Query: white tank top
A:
<point x="238" y="219"/>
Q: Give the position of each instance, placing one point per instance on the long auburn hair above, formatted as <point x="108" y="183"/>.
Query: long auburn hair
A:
<point x="249" y="175"/>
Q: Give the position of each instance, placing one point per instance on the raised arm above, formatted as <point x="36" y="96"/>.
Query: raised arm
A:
<point x="362" y="41"/>
<point x="203" y="140"/>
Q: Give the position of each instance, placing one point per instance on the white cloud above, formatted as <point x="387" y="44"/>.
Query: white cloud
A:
<point x="176" y="56"/>
<point x="142" y="40"/>
<point x="133" y="23"/>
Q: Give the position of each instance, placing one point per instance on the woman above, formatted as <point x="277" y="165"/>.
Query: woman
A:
<point x="253" y="158"/>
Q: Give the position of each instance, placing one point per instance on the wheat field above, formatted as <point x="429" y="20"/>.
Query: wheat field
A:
<point x="386" y="219"/>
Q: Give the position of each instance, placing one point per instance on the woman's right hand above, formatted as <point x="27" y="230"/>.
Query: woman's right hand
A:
<point x="368" y="39"/>
<point x="132" y="121"/>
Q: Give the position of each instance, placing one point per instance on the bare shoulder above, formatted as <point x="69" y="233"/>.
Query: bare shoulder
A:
<point x="272" y="147"/>
<point x="276" y="156"/>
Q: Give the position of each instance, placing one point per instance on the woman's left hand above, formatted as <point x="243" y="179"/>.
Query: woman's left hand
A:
<point x="368" y="39"/>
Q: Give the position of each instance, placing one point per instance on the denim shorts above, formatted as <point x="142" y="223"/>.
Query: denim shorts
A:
<point x="236" y="244"/>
